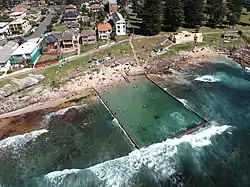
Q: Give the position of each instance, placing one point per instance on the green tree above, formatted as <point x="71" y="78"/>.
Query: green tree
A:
<point x="151" y="17"/>
<point x="193" y="12"/>
<point x="234" y="11"/>
<point x="100" y="16"/>
<point x="173" y="14"/>
<point x="137" y="6"/>
<point x="216" y="11"/>
<point x="84" y="10"/>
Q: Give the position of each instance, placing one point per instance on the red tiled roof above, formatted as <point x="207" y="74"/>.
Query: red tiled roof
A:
<point x="104" y="27"/>
<point x="95" y="6"/>
<point x="20" y="9"/>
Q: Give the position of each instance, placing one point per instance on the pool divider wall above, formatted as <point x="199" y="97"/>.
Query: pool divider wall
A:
<point x="112" y="114"/>
<point x="204" y="121"/>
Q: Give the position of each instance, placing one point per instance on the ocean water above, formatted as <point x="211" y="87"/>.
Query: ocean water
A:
<point x="147" y="113"/>
<point x="215" y="156"/>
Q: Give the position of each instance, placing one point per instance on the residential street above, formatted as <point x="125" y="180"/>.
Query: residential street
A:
<point x="42" y="27"/>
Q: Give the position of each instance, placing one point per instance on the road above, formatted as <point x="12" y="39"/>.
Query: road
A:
<point x="84" y="54"/>
<point x="42" y="27"/>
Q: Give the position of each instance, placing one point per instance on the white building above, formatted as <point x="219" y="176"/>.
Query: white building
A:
<point x="19" y="27"/>
<point x="104" y="31"/>
<point x="120" y="24"/>
<point x="34" y="15"/>
<point x="4" y="29"/>
<point x="27" y="51"/>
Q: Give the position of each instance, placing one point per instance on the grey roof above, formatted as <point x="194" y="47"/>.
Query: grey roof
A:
<point x="88" y="33"/>
<point x="52" y="38"/>
<point x="68" y="35"/>
<point x="33" y="11"/>
<point x="116" y="17"/>
<point x="70" y="14"/>
<point x="6" y="51"/>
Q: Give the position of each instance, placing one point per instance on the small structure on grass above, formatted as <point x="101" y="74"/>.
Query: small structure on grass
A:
<point x="185" y="37"/>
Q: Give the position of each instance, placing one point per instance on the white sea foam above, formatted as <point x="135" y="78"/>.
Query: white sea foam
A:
<point x="63" y="111"/>
<point x="16" y="142"/>
<point x="160" y="159"/>
<point x="208" y="78"/>
<point x="247" y="69"/>
<point x="46" y="119"/>
<point x="184" y="102"/>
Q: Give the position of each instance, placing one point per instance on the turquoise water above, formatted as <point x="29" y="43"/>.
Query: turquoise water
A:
<point x="147" y="113"/>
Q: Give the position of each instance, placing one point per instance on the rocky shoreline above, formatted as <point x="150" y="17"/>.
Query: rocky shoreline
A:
<point x="21" y="110"/>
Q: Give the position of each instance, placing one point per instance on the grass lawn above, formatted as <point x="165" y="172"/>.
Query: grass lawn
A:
<point x="175" y="49"/>
<point x="144" y="46"/>
<point x="120" y="38"/>
<point x="59" y="75"/>
<point x="87" y="47"/>
<point x="216" y="40"/>
<point x="245" y="18"/>
<point x="73" y="53"/>
<point x="60" y="28"/>
<point x="56" y="76"/>
<point x="118" y="51"/>
<point x="8" y="81"/>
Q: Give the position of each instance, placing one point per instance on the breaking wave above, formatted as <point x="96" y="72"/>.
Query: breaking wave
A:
<point x="46" y="119"/>
<point x="159" y="161"/>
<point x="208" y="78"/>
<point x="16" y="142"/>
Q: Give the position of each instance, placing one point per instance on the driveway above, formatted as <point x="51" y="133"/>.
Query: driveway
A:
<point x="42" y="27"/>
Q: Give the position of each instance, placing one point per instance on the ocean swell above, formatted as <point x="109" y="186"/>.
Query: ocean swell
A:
<point x="159" y="161"/>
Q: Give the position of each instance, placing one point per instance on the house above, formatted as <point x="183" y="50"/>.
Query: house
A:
<point x="50" y="43"/>
<point x="70" y="39"/>
<point x="29" y="51"/>
<point x="71" y="17"/>
<point x="34" y="15"/>
<point x="15" y="2"/>
<point x="19" y="26"/>
<point x="113" y="7"/>
<point x="6" y="53"/>
<point x="88" y="36"/>
<point x="18" y="14"/>
<point x="119" y="23"/>
<point x="95" y="7"/>
<point x="185" y="37"/>
<point x="4" y="30"/>
<point x="70" y="8"/>
<point x="104" y="31"/>
<point x="4" y="12"/>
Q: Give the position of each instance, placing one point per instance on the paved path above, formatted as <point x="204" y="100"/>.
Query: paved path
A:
<point x="133" y="50"/>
